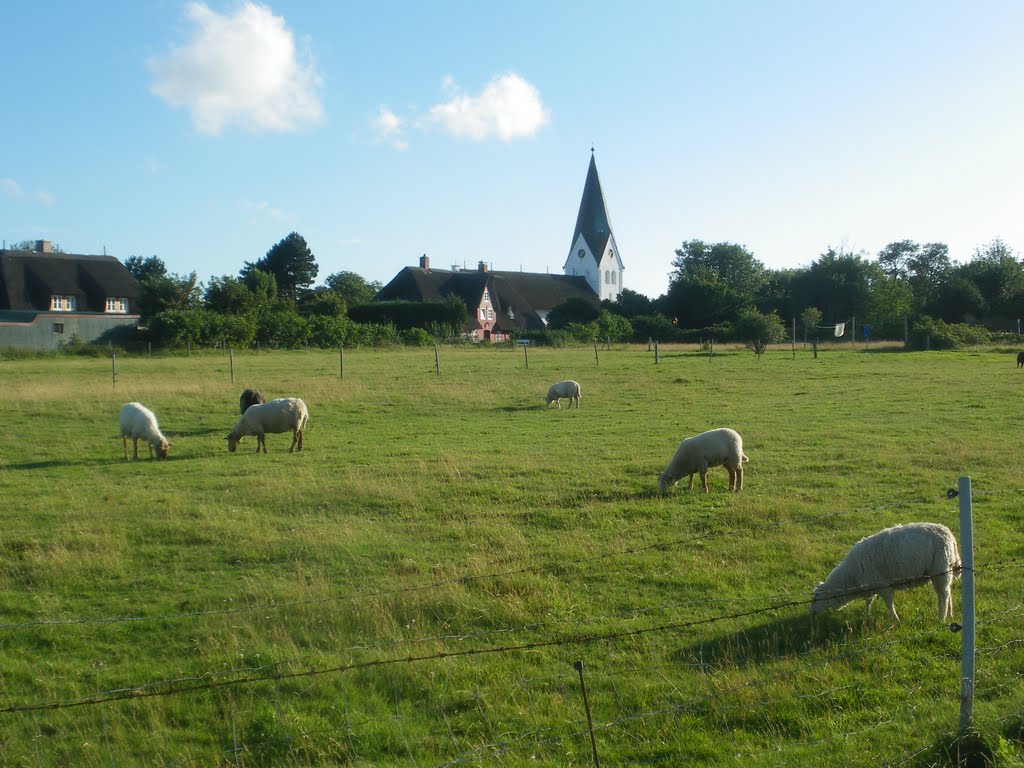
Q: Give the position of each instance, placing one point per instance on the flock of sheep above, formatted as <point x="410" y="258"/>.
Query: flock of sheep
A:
<point x="896" y="558"/>
<point x="259" y="417"/>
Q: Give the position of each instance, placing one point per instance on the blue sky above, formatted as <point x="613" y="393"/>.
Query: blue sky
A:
<point x="204" y="133"/>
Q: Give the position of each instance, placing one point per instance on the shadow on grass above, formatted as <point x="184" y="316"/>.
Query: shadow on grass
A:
<point x="199" y="432"/>
<point x="972" y="749"/>
<point x="783" y="637"/>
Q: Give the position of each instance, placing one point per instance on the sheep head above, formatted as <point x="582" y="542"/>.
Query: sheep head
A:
<point x="233" y="442"/>
<point x="826" y="599"/>
<point x="163" y="449"/>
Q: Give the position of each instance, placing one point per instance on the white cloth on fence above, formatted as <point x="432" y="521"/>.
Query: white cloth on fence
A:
<point x="840" y="329"/>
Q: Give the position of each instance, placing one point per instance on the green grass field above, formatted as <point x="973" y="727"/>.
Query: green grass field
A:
<point x="415" y="587"/>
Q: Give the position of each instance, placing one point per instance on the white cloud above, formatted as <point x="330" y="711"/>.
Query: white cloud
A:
<point x="262" y="208"/>
<point x="389" y="127"/>
<point x="241" y="69"/>
<point x="508" y="108"/>
<point x="11" y="188"/>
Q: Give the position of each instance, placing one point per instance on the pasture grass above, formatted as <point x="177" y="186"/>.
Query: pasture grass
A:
<point x="414" y="588"/>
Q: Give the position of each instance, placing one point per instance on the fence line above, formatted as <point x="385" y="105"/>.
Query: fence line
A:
<point x="202" y="682"/>
<point x="467" y="578"/>
<point x="546" y="736"/>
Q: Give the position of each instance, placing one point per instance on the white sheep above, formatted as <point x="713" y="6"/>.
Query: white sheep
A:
<point x="714" y="448"/>
<point x="900" y="557"/>
<point x="138" y="421"/>
<point x="568" y="388"/>
<point x="286" y="413"/>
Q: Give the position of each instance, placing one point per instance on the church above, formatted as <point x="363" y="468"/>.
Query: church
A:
<point x="501" y="302"/>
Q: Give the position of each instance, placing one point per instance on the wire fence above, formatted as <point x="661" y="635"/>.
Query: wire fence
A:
<point x="758" y="685"/>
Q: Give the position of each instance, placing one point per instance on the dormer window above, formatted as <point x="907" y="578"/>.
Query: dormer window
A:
<point x="117" y="304"/>
<point x="63" y="303"/>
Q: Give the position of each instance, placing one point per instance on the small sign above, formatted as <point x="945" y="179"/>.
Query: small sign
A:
<point x="523" y="342"/>
<point x="867" y="330"/>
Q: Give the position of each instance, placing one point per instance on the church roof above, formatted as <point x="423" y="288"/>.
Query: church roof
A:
<point x="29" y="278"/>
<point x="519" y="298"/>
<point x="592" y="220"/>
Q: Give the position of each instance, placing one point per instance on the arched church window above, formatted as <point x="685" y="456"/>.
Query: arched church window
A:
<point x="614" y="277"/>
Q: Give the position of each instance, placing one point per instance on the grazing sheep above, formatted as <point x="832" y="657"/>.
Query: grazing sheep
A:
<point x="716" y="447"/>
<point x="569" y="389"/>
<point x="1020" y="359"/>
<point x="900" y="557"/>
<point x="287" y="413"/>
<point x="250" y="397"/>
<point x="138" y="421"/>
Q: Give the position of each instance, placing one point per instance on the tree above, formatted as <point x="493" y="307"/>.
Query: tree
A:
<point x="353" y="289"/>
<point x="811" y="317"/>
<point x="928" y="268"/>
<point x="895" y="258"/>
<point x="143" y="268"/>
<point x="574" y="310"/>
<point x="292" y="264"/>
<point x="629" y="304"/>
<point x="999" y="276"/>
<point x="711" y="283"/>
<point x="228" y="295"/>
<point x="839" y="283"/>
<point x="753" y="326"/>
<point x="891" y="301"/>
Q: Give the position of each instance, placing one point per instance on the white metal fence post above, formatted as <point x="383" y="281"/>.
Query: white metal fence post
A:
<point x="967" y="601"/>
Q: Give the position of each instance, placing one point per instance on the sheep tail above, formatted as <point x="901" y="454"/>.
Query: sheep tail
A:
<point x="745" y="458"/>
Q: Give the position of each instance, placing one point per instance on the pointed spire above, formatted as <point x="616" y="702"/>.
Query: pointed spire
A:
<point x="592" y="220"/>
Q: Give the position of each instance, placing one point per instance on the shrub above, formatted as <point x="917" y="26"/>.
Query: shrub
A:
<point x="417" y="337"/>
<point x="938" y="334"/>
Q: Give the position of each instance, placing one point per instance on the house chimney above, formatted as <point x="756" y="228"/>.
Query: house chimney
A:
<point x="482" y="266"/>
<point x="425" y="262"/>
<point x="43" y="246"/>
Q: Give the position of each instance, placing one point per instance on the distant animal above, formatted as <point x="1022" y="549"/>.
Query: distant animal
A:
<point x="568" y="388"/>
<point x="250" y="397"/>
<point x="900" y="557"/>
<point x="137" y="421"/>
<point x="282" y="415"/>
<point x="714" y="448"/>
<point x="1020" y="359"/>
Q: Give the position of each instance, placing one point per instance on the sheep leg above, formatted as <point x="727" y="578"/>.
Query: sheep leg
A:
<point x="295" y="440"/>
<point x="577" y="402"/>
<point x="124" y="439"/>
<point x="300" y="439"/>
<point x="261" y="443"/>
<point x="691" y="482"/>
<point x="732" y="477"/>
<point x="704" y="478"/>
<point x="135" y="444"/>
<point x="889" y="596"/>
<point x="739" y="478"/>
<point x="867" y="605"/>
<point x="942" y="584"/>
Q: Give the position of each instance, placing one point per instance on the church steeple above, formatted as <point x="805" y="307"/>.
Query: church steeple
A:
<point x="592" y="220"/>
<point x="593" y="252"/>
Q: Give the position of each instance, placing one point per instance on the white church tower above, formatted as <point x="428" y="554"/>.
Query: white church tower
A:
<point x="594" y="253"/>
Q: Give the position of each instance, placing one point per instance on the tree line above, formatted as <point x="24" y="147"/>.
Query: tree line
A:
<point x="715" y="290"/>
